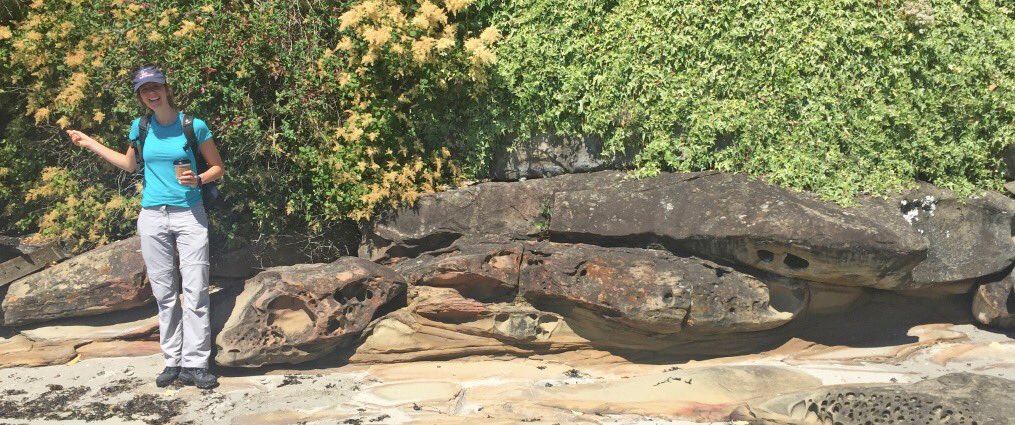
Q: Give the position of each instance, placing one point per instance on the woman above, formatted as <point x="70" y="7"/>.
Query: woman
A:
<point x="172" y="221"/>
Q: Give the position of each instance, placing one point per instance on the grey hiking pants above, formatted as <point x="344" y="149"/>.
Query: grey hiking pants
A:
<point x="184" y="331"/>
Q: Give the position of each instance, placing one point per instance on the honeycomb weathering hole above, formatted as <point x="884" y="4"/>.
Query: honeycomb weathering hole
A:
<point x="356" y="291"/>
<point x="291" y="316"/>
<point x="795" y="263"/>
<point x="1010" y="305"/>
<point x="766" y="256"/>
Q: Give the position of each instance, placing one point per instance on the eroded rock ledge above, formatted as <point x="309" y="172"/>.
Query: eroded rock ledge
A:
<point x="596" y="260"/>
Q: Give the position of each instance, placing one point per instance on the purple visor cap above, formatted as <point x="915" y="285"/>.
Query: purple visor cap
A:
<point x="148" y="75"/>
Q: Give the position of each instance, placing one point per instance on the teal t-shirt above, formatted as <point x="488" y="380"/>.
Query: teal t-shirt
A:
<point x="164" y="145"/>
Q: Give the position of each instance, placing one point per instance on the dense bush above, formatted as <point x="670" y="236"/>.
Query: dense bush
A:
<point x="328" y="110"/>
<point x="837" y="97"/>
<point x="323" y="110"/>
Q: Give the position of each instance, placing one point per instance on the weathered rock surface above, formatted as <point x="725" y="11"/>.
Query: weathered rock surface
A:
<point x="298" y="313"/>
<point x="101" y="349"/>
<point x="9" y="247"/>
<point x="481" y="270"/>
<point x="130" y="324"/>
<point x="515" y="210"/>
<point x="522" y="298"/>
<point x="958" y="398"/>
<point x="733" y="218"/>
<point x="653" y="291"/>
<point x="446" y="305"/>
<point x="648" y="290"/>
<point x="21" y="351"/>
<point x="548" y="155"/>
<point x="110" y="278"/>
<point x="968" y="238"/>
<point x="404" y="335"/>
<point x="725" y="217"/>
<point x="994" y="303"/>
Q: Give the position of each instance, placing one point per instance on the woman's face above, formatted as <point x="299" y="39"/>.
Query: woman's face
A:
<point x="153" y="95"/>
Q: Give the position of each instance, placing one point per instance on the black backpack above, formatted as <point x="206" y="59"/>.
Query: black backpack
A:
<point x="209" y="191"/>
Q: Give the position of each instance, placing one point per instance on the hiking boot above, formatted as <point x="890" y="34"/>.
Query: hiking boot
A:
<point x="199" y="377"/>
<point x="168" y="375"/>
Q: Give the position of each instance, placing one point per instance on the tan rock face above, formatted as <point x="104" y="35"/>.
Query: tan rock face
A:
<point x="567" y="297"/>
<point x="958" y="398"/>
<point x="652" y="291"/>
<point x="299" y="313"/>
<point x="726" y="217"/>
<point x="110" y="278"/>
<point x="993" y="303"/>
<point x="20" y="351"/>
<point x="485" y="271"/>
<point x="648" y="290"/>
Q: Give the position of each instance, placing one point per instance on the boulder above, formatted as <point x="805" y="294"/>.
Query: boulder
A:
<point x="517" y="210"/>
<point x="20" y="351"/>
<point x="523" y="298"/>
<point x="648" y="290"/>
<point x="732" y="218"/>
<point x="968" y="238"/>
<point x="482" y="270"/>
<point x="958" y="398"/>
<point x="9" y="247"/>
<point x="446" y="305"/>
<point x="110" y="278"/>
<point x="547" y="155"/>
<point x="653" y="291"/>
<point x="293" y="314"/>
<point x="723" y="217"/>
<point x="994" y="303"/>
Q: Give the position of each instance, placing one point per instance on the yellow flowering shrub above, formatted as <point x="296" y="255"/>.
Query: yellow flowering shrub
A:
<point x="83" y="216"/>
<point x="323" y="114"/>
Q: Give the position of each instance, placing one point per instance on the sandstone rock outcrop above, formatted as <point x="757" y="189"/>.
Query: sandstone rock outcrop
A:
<point x="538" y="297"/>
<point x="9" y="247"/>
<point x="298" y="313"/>
<point x="648" y="290"/>
<point x="651" y="290"/>
<point x="483" y="270"/>
<point x="994" y="303"/>
<point x="732" y="218"/>
<point x="968" y="238"/>
<point x="723" y="217"/>
<point x="959" y="398"/>
<point x="110" y="278"/>
<point x="516" y="210"/>
<point x="20" y="351"/>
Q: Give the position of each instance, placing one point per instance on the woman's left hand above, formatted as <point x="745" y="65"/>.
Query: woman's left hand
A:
<point x="187" y="178"/>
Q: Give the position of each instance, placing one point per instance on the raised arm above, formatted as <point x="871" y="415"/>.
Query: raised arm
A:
<point x="123" y="161"/>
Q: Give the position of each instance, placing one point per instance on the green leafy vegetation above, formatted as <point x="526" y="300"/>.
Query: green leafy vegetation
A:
<point x="837" y="97"/>
<point x="325" y="111"/>
<point x="330" y="110"/>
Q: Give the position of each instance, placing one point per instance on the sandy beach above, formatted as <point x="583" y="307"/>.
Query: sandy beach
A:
<point x="578" y="387"/>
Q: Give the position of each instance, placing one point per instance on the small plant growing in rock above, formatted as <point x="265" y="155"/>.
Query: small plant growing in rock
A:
<point x="543" y="220"/>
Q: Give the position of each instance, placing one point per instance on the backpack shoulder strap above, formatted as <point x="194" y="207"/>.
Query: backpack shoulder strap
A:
<point x="188" y="131"/>
<point x="142" y="134"/>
